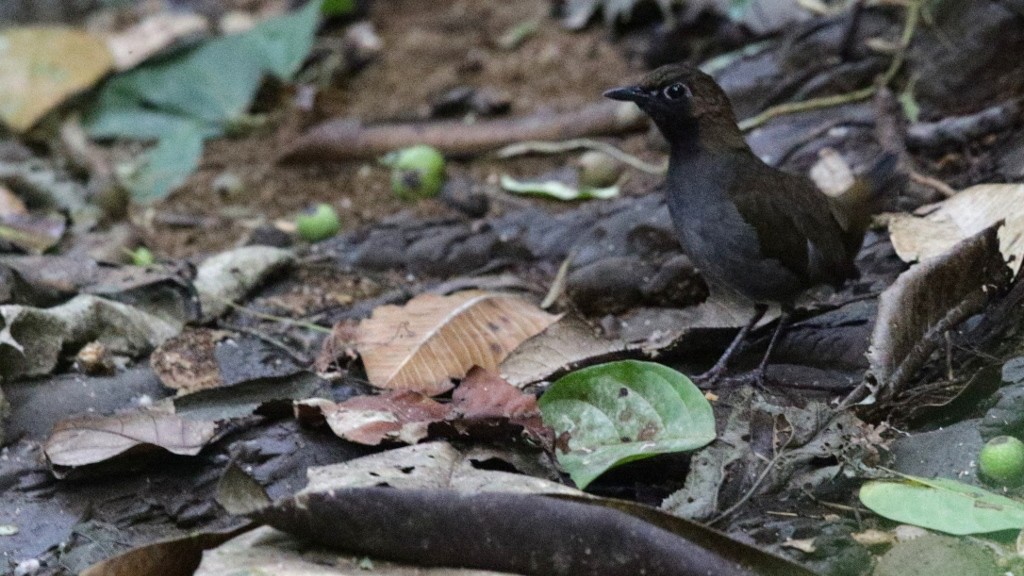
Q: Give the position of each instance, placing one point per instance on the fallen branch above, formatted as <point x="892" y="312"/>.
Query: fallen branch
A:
<point x="909" y="26"/>
<point x="348" y="139"/>
<point x="962" y="129"/>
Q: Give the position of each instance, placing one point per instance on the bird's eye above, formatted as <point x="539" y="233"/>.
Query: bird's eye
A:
<point x="676" y="91"/>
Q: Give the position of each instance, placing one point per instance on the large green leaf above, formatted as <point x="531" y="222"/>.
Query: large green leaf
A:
<point x="197" y="92"/>
<point x="618" y="412"/>
<point x="943" y="504"/>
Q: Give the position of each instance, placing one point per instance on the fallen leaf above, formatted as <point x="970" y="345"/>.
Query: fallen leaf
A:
<point x="33" y="233"/>
<point x="924" y="302"/>
<point x="175" y="556"/>
<point x="485" y="405"/>
<point x="188" y="362"/>
<point x="92" y="439"/>
<point x="423" y="345"/>
<point x="40" y="67"/>
<point x="432" y="465"/>
<point x="10" y="203"/>
<point x="614" y="413"/>
<point x="939" y="226"/>
<point x="152" y="35"/>
<point x="395" y="416"/>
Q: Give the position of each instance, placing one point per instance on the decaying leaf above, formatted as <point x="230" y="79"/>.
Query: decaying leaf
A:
<point x="431" y="465"/>
<point x="423" y="345"/>
<point x="172" y="557"/>
<point x="31" y="339"/>
<point x="269" y="551"/>
<point x="92" y="439"/>
<point x="572" y="343"/>
<point x="936" y="228"/>
<point x="928" y="300"/>
<point x="483" y="405"/>
<point x="396" y="416"/>
<point x="516" y="533"/>
<point x="187" y="362"/>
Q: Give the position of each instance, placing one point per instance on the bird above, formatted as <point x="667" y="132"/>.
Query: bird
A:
<point x="749" y="227"/>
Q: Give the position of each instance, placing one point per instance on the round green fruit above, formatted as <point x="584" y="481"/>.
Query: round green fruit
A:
<point x="318" y="224"/>
<point x="599" y="170"/>
<point x="142" y="256"/>
<point x="1002" y="461"/>
<point x="416" y="172"/>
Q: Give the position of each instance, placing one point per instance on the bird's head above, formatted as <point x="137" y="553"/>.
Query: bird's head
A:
<point x="684" y="103"/>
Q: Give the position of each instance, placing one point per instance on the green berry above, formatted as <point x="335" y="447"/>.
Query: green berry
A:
<point x="318" y="224"/>
<point x="142" y="256"/>
<point x="1002" y="461"/>
<point x="599" y="170"/>
<point x="416" y="172"/>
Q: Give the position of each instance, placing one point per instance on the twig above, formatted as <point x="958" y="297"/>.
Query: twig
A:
<point x="757" y="483"/>
<point x="913" y="15"/>
<point x="578" y="144"/>
<point x="961" y="129"/>
<point x="299" y="358"/>
<point x="558" y="284"/>
<point x="940" y="186"/>
<point x="347" y="139"/>
<point x="272" y="318"/>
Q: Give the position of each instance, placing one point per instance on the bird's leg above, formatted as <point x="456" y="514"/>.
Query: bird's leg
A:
<point x="759" y="376"/>
<point x="715" y="372"/>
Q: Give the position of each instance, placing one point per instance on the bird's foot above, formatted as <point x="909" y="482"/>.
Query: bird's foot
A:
<point x="760" y="379"/>
<point x="711" y="377"/>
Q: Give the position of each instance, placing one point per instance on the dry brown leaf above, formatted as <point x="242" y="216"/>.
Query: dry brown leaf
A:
<point x="938" y="227"/>
<point x="423" y="345"/>
<point x="924" y="303"/>
<point x="397" y="416"/>
<point x="92" y="439"/>
<point x="485" y="405"/>
<point x="40" y="67"/>
<point x="188" y="361"/>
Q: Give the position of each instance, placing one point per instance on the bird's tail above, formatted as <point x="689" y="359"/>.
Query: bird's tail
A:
<point x="868" y="194"/>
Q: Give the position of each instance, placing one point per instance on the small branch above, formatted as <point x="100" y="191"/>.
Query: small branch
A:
<point x="961" y="129"/>
<point x="943" y="188"/>
<point x="536" y="147"/>
<point x="347" y="139"/>
<point x="272" y="318"/>
<point x="910" y="25"/>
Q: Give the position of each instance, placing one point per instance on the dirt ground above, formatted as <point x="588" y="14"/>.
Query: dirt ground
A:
<point x="428" y="49"/>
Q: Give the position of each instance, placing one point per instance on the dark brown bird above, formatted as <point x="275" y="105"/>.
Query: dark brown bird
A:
<point x="766" y="234"/>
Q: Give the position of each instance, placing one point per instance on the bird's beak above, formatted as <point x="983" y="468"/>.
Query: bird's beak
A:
<point x="627" y="94"/>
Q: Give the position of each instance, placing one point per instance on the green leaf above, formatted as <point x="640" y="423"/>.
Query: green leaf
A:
<point x="167" y="165"/>
<point x="943" y="504"/>
<point x="557" y="190"/>
<point x="623" y="411"/>
<point x="206" y="88"/>
<point x="338" y="7"/>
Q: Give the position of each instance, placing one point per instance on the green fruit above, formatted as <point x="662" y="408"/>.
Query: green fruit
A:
<point x="599" y="170"/>
<point x="318" y="224"/>
<point x="416" y="172"/>
<point x="142" y="256"/>
<point x="1002" y="461"/>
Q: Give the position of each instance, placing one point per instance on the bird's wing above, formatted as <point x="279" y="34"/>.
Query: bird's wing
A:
<point x="794" y="223"/>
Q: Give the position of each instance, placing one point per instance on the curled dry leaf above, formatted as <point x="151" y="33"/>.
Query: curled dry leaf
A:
<point x="924" y="303"/>
<point x="938" y="227"/>
<point x="93" y="439"/>
<point x="423" y="345"/>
